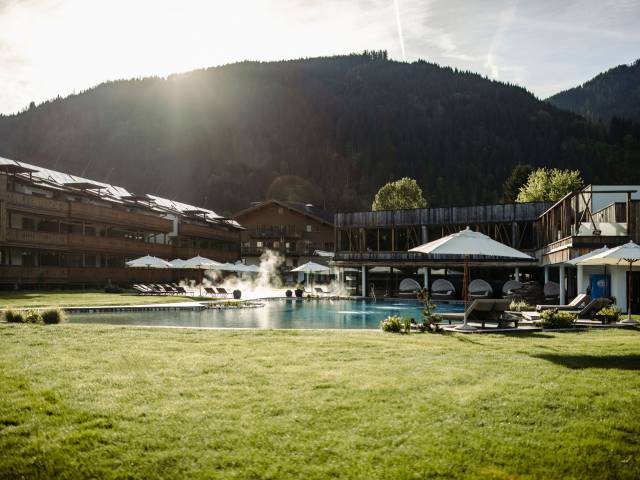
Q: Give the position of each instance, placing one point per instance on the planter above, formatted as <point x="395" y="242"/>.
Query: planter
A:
<point x="288" y="293"/>
<point x="237" y="294"/>
<point x="299" y="293"/>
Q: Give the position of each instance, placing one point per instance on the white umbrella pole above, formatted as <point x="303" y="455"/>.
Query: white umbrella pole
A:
<point x="465" y="327"/>
<point x="629" y="320"/>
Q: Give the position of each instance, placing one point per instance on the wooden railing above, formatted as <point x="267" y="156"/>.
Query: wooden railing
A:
<point x="38" y="204"/>
<point x="119" y="245"/>
<point x="85" y="211"/>
<point x="36" y="239"/>
<point x="214" y="232"/>
<point x="217" y="255"/>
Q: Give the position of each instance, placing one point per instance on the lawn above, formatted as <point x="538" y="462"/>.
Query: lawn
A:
<point x="71" y="298"/>
<point x="79" y="401"/>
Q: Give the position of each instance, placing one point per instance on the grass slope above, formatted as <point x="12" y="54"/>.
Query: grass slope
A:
<point x="71" y="298"/>
<point x="111" y="402"/>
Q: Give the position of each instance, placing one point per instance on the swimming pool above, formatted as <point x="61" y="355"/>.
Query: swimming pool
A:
<point x="289" y="313"/>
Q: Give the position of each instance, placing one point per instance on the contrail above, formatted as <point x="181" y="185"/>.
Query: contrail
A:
<point x="400" y="35"/>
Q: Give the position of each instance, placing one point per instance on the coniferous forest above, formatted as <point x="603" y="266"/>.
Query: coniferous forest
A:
<point x="330" y="131"/>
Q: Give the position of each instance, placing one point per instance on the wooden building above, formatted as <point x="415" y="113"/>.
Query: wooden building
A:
<point x="297" y="231"/>
<point x="57" y="229"/>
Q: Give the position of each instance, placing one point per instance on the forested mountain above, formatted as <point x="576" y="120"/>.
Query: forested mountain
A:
<point x="614" y="93"/>
<point x="326" y="130"/>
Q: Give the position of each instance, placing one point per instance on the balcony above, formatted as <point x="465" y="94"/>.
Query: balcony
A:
<point x="289" y="252"/>
<point x="29" y="238"/>
<point x="95" y="213"/>
<point x="217" y="255"/>
<point x="413" y="259"/>
<point x="37" y="204"/>
<point x="123" y="246"/>
<point x="213" y="232"/>
<point x="275" y="233"/>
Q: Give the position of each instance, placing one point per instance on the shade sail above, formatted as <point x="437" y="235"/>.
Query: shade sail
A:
<point x="311" y="267"/>
<point x="148" y="262"/>
<point x="582" y="258"/>
<point x="201" y="263"/>
<point x="467" y="243"/>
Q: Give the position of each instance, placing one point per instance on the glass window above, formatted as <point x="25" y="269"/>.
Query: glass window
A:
<point x="309" y="228"/>
<point x="259" y="244"/>
<point x="280" y="211"/>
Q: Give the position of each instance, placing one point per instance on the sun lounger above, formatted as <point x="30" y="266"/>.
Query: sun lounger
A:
<point x="592" y="308"/>
<point x="442" y="290"/>
<point x="168" y="288"/>
<point x="180" y="290"/>
<point x="479" y="288"/>
<point x="578" y="302"/>
<point x="211" y="291"/>
<point x="142" y="289"/>
<point x="223" y="292"/>
<point x="484" y="310"/>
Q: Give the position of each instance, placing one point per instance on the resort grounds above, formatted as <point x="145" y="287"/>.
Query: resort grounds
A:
<point x="98" y="401"/>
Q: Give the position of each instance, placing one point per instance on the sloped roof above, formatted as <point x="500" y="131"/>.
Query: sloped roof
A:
<point x="111" y="193"/>
<point x="310" y="210"/>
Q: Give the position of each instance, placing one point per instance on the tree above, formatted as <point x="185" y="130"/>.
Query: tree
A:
<point x="404" y="193"/>
<point x="515" y="181"/>
<point x="549" y="185"/>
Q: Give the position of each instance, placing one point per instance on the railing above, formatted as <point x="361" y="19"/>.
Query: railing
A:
<point x="84" y="211"/>
<point x="276" y="232"/>
<point x="37" y="239"/>
<point x="415" y="257"/>
<point x="581" y="241"/>
<point x="213" y="231"/>
<point x="119" y="245"/>
<point x="217" y="255"/>
<point x="40" y="204"/>
<point x="257" y="251"/>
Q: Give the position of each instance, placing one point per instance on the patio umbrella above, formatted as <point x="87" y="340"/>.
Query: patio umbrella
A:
<point x="466" y="243"/>
<point x="177" y="262"/>
<point x="148" y="262"/>
<point x="201" y="263"/>
<point x="311" y="267"/>
<point x="581" y="258"/>
<point x="626" y="254"/>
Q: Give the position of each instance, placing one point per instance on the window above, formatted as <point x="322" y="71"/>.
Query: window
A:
<point x="280" y="211"/>
<point x="309" y="228"/>
<point x="276" y="244"/>
<point x="259" y="244"/>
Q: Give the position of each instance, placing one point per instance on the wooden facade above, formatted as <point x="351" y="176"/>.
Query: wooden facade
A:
<point x="61" y="234"/>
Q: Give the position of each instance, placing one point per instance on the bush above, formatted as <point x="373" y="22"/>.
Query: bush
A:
<point x="521" y="306"/>
<point x="556" y="319"/>
<point x="609" y="314"/>
<point x="14" y="316"/>
<point x="53" y="315"/>
<point x="33" y="316"/>
<point x="392" y="324"/>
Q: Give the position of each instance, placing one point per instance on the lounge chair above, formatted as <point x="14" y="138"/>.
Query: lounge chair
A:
<point x="180" y="290"/>
<point x="483" y="310"/>
<point x="592" y="308"/>
<point x="211" y="291"/>
<point x="223" y="292"/>
<point x="442" y="290"/>
<point x="168" y="288"/>
<point x="320" y="291"/>
<point x="409" y="288"/>
<point x="578" y="302"/>
<point x="479" y="288"/>
<point x="142" y="289"/>
<point x="551" y="291"/>
<point x="508" y="289"/>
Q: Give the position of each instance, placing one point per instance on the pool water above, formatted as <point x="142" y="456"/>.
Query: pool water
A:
<point x="289" y="313"/>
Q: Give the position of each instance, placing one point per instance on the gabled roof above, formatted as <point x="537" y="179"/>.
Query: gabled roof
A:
<point x="317" y="213"/>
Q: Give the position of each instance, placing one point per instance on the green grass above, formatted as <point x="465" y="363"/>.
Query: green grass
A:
<point x="73" y="298"/>
<point x="80" y="401"/>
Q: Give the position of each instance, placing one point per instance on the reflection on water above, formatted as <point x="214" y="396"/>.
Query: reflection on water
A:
<point x="290" y="313"/>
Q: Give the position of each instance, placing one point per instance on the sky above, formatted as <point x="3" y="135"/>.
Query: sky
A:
<point x="59" y="47"/>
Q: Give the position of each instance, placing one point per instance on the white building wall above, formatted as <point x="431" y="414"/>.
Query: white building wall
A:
<point x="619" y="286"/>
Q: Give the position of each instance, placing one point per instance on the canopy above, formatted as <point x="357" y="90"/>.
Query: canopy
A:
<point x="467" y="242"/>
<point x="311" y="267"/>
<point x="177" y="263"/>
<point x="252" y="269"/>
<point x="586" y="256"/>
<point x="323" y="253"/>
<point x="201" y="263"/>
<point x="148" y="262"/>
<point x="626" y="254"/>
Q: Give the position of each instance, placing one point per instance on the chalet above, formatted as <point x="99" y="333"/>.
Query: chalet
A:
<point x="297" y="231"/>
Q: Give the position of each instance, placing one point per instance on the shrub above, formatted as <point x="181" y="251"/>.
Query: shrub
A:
<point x="53" y="315"/>
<point x="556" y="319"/>
<point x="392" y="324"/>
<point x="609" y="314"/>
<point x="14" y="316"/>
<point x="32" y="316"/>
<point x="521" y="306"/>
